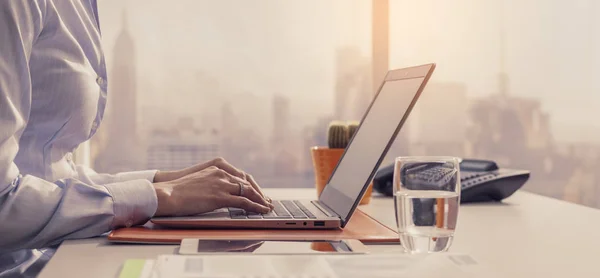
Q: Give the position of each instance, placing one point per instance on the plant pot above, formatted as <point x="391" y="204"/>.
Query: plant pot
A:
<point x="324" y="161"/>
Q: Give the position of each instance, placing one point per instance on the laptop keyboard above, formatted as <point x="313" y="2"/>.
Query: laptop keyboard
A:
<point x="282" y="210"/>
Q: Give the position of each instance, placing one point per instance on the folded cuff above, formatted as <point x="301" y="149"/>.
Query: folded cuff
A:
<point x="134" y="202"/>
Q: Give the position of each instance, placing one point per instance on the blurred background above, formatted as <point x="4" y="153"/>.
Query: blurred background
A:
<point x="257" y="82"/>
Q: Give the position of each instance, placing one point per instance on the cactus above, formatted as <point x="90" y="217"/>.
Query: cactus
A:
<point x="352" y="127"/>
<point x="340" y="133"/>
<point x="337" y="135"/>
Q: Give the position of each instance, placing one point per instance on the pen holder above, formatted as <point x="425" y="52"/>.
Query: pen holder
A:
<point x="324" y="161"/>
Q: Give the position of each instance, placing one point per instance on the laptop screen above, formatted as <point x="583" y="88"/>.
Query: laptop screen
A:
<point x="378" y="129"/>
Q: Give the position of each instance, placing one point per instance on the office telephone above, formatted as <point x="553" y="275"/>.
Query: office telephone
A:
<point x="481" y="181"/>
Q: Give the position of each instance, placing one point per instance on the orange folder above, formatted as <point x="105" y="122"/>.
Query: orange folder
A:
<point x="361" y="227"/>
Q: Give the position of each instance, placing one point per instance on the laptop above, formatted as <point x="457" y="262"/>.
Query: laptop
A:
<point x="382" y="121"/>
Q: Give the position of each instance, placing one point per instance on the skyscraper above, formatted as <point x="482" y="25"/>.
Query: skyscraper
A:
<point x="182" y="145"/>
<point x="229" y="130"/>
<point x="503" y="118"/>
<point x="285" y="161"/>
<point x="281" y="120"/>
<point x="122" y="149"/>
<point x="229" y="122"/>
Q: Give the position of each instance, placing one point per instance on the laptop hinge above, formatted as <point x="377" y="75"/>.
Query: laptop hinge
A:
<point x="325" y="209"/>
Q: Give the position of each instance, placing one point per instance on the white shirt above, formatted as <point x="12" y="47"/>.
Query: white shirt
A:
<point x="53" y="91"/>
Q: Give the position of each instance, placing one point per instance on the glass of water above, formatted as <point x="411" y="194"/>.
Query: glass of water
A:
<point x="426" y="199"/>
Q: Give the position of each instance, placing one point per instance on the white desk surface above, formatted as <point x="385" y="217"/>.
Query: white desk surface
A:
<point x="527" y="235"/>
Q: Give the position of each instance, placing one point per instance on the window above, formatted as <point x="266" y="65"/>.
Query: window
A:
<point x="252" y="81"/>
<point x="515" y="83"/>
<point x="257" y="82"/>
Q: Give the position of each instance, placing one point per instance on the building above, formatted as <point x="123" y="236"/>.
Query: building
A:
<point x="243" y="144"/>
<point x="251" y="111"/>
<point x="229" y="124"/>
<point x="281" y="121"/>
<point x="308" y="142"/>
<point x="442" y="113"/>
<point x="119" y="148"/>
<point x="284" y="155"/>
<point x="507" y="127"/>
<point x="182" y="145"/>
<point x="440" y="120"/>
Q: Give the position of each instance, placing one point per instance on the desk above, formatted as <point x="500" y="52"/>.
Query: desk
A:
<point x="525" y="236"/>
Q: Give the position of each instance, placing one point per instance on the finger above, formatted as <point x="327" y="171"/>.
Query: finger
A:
<point x="254" y="184"/>
<point x="255" y="194"/>
<point x="250" y="193"/>
<point x="258" y="190"/>
<point x="233" y="184"/>
<point x="247" y="191"/>
<point x="246" y="204"/>
<point x="223" y="164"/>
<point x="205" y="165"/>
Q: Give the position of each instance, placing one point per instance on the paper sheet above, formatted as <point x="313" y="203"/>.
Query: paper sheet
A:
<point x="249" y="266"/>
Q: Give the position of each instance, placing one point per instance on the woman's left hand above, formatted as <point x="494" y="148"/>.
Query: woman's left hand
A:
<point x="221" y="163"/>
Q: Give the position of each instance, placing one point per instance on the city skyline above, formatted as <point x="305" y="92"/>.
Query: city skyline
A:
<point x="552" y="52"/>
<point x="570" y="124"/>
<point x="196" y="112"/>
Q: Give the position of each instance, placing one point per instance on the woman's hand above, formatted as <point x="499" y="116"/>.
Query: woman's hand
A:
<point x="164" y="176"/>
<point x="206" y="190"/>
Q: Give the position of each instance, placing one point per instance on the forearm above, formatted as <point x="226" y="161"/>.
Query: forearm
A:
<point x="35" y="213"/>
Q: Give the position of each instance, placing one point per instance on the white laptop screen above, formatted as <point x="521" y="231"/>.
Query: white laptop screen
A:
<point x="369" y="144"/>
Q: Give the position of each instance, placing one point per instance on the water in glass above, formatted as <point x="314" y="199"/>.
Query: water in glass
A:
<point x="426" y="219"/>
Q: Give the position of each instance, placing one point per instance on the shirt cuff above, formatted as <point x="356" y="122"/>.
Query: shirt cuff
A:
<point x="134" y="202"/>
<point x="137" y="175"/>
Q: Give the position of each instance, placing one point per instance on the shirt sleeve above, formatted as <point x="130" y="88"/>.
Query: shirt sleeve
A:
<point x="34" y="212"/>
<point x="89" y="175"/>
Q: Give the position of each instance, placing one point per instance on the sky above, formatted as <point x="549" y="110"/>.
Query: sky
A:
<point x="268" y="47"/>
<point x="551" y="52"/>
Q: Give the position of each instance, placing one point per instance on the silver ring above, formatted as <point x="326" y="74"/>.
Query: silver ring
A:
<point x="241" y="188"/>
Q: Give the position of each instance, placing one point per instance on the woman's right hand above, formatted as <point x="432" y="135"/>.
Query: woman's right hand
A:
<point x="206" y="190"/>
